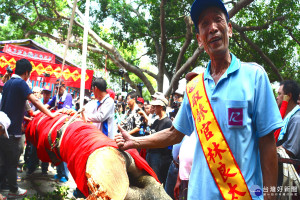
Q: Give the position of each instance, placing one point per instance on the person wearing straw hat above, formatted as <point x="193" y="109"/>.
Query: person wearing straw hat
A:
<point x="235" y="157"/>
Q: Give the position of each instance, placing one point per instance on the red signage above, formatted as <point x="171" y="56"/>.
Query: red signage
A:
<point x="48" y="71"/>
<point x="28" y="53"/>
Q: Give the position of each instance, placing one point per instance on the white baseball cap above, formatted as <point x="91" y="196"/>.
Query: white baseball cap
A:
<point x="4" y="121"/>
<point x="161" y="101"/>
<point x="158" y="95"/>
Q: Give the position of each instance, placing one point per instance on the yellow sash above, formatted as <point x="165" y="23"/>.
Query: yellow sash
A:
<point x="219" y="157"/>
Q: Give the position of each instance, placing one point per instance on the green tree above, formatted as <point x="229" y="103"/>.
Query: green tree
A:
<point x="266" y="32"/>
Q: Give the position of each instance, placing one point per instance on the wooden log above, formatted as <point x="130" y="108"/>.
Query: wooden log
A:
<point x="113" y="174"/>
<point x="107" y="167"/>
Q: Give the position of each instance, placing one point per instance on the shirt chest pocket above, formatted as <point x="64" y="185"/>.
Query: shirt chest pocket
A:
<point x="236" y="113"/>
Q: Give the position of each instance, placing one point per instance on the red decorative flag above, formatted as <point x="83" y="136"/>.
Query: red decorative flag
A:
<point x="51" y="72"/>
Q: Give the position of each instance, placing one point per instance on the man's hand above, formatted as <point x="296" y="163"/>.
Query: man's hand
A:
<point x="52" y="115"/>
<point x="124" y="140"/>
<point x="286" y="98"/>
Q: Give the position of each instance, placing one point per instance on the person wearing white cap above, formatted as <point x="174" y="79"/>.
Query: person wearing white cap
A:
<point x="235" y="157"/>
<point x="160" y="158"/>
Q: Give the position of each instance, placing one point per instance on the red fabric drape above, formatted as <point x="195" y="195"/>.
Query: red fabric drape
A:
<point x="80" y="140"/>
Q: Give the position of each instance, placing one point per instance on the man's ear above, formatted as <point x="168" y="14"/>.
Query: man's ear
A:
<point x="229" y="29"/>
<point x="290" y="96"/>
<point x="199" y="40"/>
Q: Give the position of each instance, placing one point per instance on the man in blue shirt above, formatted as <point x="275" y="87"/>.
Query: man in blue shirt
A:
<point x="64" y="100"/>
<point x="15" y="93"/>
<point x="230" y="85"/>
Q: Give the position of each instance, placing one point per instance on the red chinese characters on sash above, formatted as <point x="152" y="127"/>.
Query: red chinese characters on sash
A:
<point x="219" y="157"/>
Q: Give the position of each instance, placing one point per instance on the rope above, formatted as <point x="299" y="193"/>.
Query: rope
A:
<point x="67" y="45"/>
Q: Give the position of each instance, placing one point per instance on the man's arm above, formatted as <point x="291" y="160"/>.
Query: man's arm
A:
<point x="160" y="139"/>
<point x="133" y="131"/>
<point x="38" y="104"/>
<point x="269" y="161"/>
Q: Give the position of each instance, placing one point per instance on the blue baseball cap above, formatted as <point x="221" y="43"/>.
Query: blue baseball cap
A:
<point x="200" y="5"/>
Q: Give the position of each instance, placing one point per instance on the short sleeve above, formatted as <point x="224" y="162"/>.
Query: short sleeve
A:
<point x="266" y="113"/>
<point x="68" y="101"/>
<point x="24" y="89"/>
<point x="183" y="121"/>
<point x="293" y="137"/>
<point x="51" y="103"/>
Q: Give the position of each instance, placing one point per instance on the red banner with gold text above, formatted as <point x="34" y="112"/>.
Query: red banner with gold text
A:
<point x="28" y="53"/>
<point x="71" y="75"/>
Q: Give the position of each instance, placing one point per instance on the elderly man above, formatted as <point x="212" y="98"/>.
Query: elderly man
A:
<point x="226" y="106"/>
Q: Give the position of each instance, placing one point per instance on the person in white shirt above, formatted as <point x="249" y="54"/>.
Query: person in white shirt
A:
<point x="101" y="110"/>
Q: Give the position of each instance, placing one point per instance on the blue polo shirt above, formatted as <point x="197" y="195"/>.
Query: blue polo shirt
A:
<point x="245" y="88"/>
<point x="15" y="93"/>
<point x="65" y="101"/>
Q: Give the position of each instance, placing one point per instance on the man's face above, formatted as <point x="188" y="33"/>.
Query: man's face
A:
<point x="46" y="95"/>
<point x="214" y="32"/>
<point x="152" y="110"/>
<point x="157" y="109"/>
<point x="61" y="90"/>
<point x="177" y="97"/>
<point x="140" y="105"/>
<point x="119" y="98"/>
<point x="279" y="98"/>
<point x="147" y="109"/>
<point x="130" y="102"/>
<point x="27" y="75"/>
<point x="36" y="94"/>
<point x="96" y="92"/>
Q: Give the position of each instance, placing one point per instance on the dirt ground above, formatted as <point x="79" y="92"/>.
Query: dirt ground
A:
<point x="43" y="184"/>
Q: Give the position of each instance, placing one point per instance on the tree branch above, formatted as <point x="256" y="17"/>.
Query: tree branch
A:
<point x="188" y="39"/>
<point x="191" y="61"/>
<point x="117" y="56"/>
<point x="258" y="50"/>
<point x="264" y="26"/>
<point x="290" y="33"/>
<point x="149" y="73"/>
<point x="163" y="41"/>
<point x="238" y="6"/>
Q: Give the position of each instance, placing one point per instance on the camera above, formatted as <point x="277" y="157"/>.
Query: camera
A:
<point x="175" y="105"/>
<point x="9" y="70"/>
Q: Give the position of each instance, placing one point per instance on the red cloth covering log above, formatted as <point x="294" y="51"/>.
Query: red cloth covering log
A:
<point x="79" y="141"/>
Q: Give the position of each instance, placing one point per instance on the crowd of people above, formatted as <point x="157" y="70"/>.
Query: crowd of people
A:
<point x="216" y="140"/>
